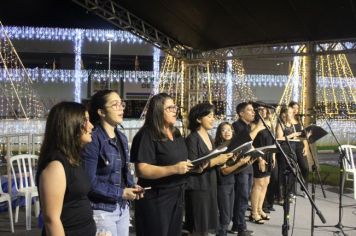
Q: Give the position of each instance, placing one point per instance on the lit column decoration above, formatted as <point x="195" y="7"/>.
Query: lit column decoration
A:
<point x="229" y="87"/>
<point x="295" y="79"/>
<point x="156" y="75"/>
<point x="78" y="57"/>
<point x="109" y="38"/>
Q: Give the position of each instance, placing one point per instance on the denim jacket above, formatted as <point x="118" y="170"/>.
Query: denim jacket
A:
<point x="103" y="165"/>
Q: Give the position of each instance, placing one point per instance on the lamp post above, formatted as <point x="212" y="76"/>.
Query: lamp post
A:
<point x="109" y="38"/>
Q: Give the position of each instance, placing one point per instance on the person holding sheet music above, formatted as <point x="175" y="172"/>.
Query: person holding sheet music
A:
<point x="243" y="179"/>
<point x="201" y="193"/>
<point x="226" y="179"/>
<point x="286" y="129"/>
<point x="262" y="168"/>
<point x="301" y="147"/>
<point x="160" y="156"/>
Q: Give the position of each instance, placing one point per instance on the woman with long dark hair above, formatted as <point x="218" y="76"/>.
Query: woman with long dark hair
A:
<point x="301" y="148"/>
<point x="201" y="194"/>
<point x="286" y="129"/>
<point x="160" y="156"/>
<point x="62" y="183"/>
<point x="106" y="161"/>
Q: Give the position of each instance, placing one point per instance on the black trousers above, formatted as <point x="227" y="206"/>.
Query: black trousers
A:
<point x="226" y="196"/>
<point x="160" y="212"/>
<point x="272" y="189"/>
<point x="302" y="162"/>
<point x="284" y="182"/>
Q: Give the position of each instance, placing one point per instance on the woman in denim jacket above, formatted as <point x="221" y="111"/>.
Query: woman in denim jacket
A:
<point x="106" y="162"/>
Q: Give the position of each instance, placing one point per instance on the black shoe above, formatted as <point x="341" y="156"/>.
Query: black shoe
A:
<point x="271" y="209"/>
<point x="232" y="231"/>
<point x="258" y="221"/>
<point x="245" y="233"/>
<point x="266" y="210"/>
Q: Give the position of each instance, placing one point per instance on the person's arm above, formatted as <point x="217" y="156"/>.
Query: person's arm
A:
<point x="149" y="171"/>
<point x="51" y="197"/>
<point x="256" y="129"/>
<point x="279" y="132"/>
<point x="220" y="159"/>
<point x="102" y="189"/>
<point x="229" y="169"/>
<point x="143" y="154"/>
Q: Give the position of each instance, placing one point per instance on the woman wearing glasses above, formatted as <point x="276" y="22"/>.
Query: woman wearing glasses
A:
<point x="160" y="156"/>
<point x="106" y="162"/>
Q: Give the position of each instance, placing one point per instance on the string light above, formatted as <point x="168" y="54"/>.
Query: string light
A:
<point x="336" y="85"/>
<point x="156" y="56"/>
<point x="18" y="98"/>
<point x="65" y="34"/>
<point x="67" y="76"/>
<point x="229" y="89"/>
<point x="77" y="71"/>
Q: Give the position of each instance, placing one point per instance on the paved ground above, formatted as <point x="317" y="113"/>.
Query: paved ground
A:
<point x="300" y="214"/>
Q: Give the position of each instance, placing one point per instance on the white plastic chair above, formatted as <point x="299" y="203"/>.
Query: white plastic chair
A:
<point x="349" y="165"/>
<point x="23" y="174"/>
<point x="5" y="197"/>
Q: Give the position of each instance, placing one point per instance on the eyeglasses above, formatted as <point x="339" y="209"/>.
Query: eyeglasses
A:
<point x="118" y="105"/>
<point x="171" y="108"/>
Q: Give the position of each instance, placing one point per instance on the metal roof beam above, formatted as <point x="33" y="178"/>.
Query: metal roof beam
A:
<point x="122" y="18"/>
<point x="278" y="50"/>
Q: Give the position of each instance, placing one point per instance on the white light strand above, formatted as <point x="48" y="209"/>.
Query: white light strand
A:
<point x="38" y="75"/>
<point x="229" y="110"/>
<point x="156" y="75"/>
<point x="77" y="72"/>
<point x="65" y="34"/>
<point x="296" y="80"/>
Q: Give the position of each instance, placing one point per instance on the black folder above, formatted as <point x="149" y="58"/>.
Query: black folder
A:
<point x="314" y="132"/>
<point x="212" y="154"/>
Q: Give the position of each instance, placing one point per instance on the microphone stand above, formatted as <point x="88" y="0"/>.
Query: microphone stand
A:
<point x="314" y="169"/>
<point x="342" y="157"/>
<point x="285" y="226"/>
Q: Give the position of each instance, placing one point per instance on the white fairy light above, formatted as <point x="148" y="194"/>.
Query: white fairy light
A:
<point x="156" y="76"/>
<point x="229" y="110"/>
<point x="65" y="34"/>
<point x="77" y="71"/>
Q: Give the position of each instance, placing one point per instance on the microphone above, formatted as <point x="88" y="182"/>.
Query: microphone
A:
<point x="262" y="104"/>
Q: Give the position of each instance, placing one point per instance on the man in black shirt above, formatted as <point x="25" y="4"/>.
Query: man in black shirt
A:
<point x="243" y="179"/>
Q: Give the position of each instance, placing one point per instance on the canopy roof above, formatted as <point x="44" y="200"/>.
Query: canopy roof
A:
<point x="206" y="24"/>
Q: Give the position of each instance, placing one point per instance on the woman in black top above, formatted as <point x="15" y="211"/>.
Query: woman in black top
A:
<point x="63" y="184"/>
<point x="286" y="129"/>
<point x="226" y="180"/>
<point x="261" y="170"/>
<point x="201" y="194"/>
<point x="301" y="148"/>
<point x="160" y="156"/>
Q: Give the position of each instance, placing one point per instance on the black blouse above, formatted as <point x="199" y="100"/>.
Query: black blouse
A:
<point x="77" y="214"/>
<point x="147" y="149"/>
<point x="197" y="148"/>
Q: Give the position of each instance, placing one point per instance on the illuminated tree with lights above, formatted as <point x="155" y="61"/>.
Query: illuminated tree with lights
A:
<point x="336" y="86"/>
<point x="17" y="98"/>
<point x="222" y="83"/>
